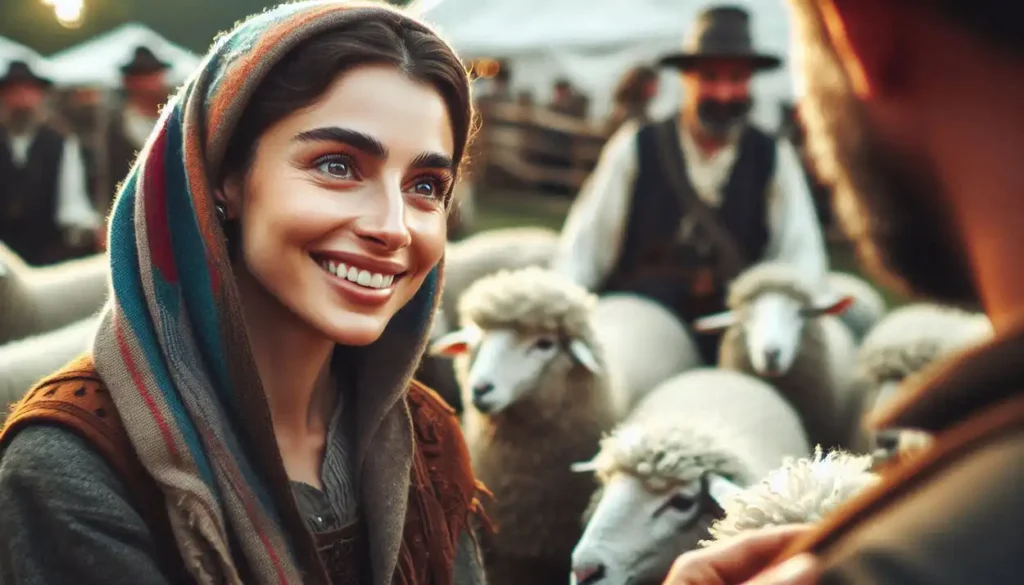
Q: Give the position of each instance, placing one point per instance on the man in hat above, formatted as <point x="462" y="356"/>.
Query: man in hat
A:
<point x="914" y="117"/>
<point x="45" y="211"/>
<point x="145" y="88"/>
<point x="677" y="208"/>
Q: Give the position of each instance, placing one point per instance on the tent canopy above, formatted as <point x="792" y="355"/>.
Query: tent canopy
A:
<point x="98" y="60"/>
<point x="14" y="51"/>
<point x="594" y="42"/>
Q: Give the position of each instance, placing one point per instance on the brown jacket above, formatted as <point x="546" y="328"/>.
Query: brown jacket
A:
<point x="953" y="514"/>
<point x="443" y="490"/>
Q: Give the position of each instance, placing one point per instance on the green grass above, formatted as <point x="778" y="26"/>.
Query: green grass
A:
<point x="499" y="210"/>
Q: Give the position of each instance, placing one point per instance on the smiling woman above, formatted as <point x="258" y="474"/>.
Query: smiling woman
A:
<point x="247" y="414"/>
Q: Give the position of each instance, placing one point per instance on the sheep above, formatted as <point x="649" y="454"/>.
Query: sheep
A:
<point x="903" y="345"/>
<point x="868" y="306"/>
<point x="644" y="345"/>
<point x="38" y="299"/>
<point x="694" y="441"/>
<point x="803" y="490"/>
<point x="782" y="328"/>
<point x="537" y="400"/>
<point x="24" y="362"/>
<point x="466" y="261"/>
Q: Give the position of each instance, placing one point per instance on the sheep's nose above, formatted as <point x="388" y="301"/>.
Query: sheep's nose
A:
<point x="482" y="389"/>
<point x="588" y="575"/>
<point x="771" y="359"/>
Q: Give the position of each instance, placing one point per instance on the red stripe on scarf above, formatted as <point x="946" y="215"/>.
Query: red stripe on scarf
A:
<point x="140" y="385"/>
<point x="154" y="196"/>
<point x="245" y="495"/>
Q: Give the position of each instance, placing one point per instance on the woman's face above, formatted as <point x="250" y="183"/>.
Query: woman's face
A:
<point x="343" y="209"/>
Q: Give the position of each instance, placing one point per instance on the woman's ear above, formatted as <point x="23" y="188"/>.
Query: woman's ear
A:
<point x="230" y="195"/>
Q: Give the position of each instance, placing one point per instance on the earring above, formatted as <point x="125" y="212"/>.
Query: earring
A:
<point x="222" y="212"/>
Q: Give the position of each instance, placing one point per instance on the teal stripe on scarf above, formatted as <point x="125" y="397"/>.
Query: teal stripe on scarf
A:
<point x="131" y="301"/>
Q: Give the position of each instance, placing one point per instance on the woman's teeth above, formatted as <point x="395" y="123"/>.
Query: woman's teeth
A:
<point x="360" y="277"/>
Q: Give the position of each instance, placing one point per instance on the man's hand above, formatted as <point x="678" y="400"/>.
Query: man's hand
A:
<point x="736" y="561"/>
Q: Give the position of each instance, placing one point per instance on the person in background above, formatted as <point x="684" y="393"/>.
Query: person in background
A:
<point x="246" y="413"/>
<point x="45" y="211"/>
<point x="676" y="208"/>
<point x="566" y="100"/>
<point x="632" y="97"/>
<point x="914" y="118"/>
<point x="144" y="80"/>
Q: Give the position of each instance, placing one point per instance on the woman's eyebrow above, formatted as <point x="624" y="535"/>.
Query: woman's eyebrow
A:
<point x="433" y="160"/>
<point x="353" y="138"/>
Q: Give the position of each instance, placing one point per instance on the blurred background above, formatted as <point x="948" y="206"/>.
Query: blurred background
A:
<point x="554" y="78"/>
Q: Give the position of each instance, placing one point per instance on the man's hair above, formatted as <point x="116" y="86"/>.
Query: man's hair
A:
<point x="995" y="21"/>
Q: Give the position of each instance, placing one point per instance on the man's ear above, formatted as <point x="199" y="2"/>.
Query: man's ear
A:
<point x="868" y="36"/>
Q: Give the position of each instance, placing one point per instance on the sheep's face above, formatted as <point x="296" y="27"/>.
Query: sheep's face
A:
<point x="634" y="535"/>
<point x="772" y="324"/>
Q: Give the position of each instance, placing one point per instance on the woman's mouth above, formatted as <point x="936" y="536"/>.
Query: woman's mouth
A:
<point x="363" y="278"/>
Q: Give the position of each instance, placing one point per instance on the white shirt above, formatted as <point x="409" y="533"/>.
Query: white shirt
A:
<point x="592" y="237"/>
<point x="74" y="208"/>
<point x="137" y="126"/>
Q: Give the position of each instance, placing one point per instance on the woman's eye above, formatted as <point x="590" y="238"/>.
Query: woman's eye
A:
<point x="426" y="188"/>
<point x="544" y="343"/>
<point x="336" y="168"/>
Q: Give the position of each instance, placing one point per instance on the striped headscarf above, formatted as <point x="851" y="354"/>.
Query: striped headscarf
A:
<point x="173" y="350"/>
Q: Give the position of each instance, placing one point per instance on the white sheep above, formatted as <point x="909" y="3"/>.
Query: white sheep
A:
<point x="782" y="328"/>
<point x="26" y="361"/>
<point x="38" y="299"/>
<point x="530" y="368"/>
<point x="695" y="440"/>
<point x="867" y="308"/>
<point x="644" y="344"/>
<point x="466" y="261"/>
<point x="802" y="491"/>
<point x="905" y="343"/>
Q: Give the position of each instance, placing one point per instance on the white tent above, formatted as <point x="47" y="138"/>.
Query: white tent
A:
<point x="98" y="60"/>
<point x="593" y="42"/>
<point x="14" y="51"/>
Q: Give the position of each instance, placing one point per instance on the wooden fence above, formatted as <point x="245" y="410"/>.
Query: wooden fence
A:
<point x="529" y="147"/>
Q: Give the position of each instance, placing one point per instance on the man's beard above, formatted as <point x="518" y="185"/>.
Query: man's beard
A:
<point x="20" y="120"/>
<point x="886" y="198"/>
<point x="720" y="118"/>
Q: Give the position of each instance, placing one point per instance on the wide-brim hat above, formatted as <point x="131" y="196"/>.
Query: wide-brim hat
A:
<point x="144" y="62"/>
<point x="721" y="32"/>
<point x="20" y="72"/>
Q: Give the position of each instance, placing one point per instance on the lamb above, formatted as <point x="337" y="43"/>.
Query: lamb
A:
<point x="693" y="442"/>
<point x="24" y="362"/>
<point x="782" y="328"/>
<point x="903" y="345"/>
<point x="803" y="490"/>
<point x="644" y="345"/>
<point x="533" y="379"/>
<point x="867" y="308"/>
<point x="35" y="300"/>
<point x="466" y="261"/>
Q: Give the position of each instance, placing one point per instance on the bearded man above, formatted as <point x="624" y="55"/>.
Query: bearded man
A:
<point x="677" y="208"/>
<point x="915" y="117"/>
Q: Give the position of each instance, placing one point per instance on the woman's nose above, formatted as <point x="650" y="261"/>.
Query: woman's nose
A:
<point x="383" y="222"/>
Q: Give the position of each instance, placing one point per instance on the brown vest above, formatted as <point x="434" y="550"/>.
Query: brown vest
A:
<point x="442" y="494"/>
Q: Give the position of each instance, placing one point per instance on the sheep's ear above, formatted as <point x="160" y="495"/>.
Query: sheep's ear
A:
<point x="830" y="304"/>
<point x="582" y="353"/>
<point x="583" y="467"/>
<point x="720" y="489"/>
<point x="454" y="343"/>
<point x="716" y="322"/>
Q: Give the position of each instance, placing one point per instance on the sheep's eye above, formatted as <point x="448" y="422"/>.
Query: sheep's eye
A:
<point x="543" y="343"/>
<point x="681" y="502"/>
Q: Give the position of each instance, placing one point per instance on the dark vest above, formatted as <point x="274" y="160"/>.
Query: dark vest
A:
<point x="654" y="262"/>
<point x="28" y="195"/>
<point x="120" y="156"/>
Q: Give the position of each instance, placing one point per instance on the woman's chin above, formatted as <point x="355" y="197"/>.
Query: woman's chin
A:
<point x="354" y="329"/>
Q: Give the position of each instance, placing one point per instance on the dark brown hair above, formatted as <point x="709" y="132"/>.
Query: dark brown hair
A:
<point x="632" y="88"/>
<point x="378" y="38"/>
